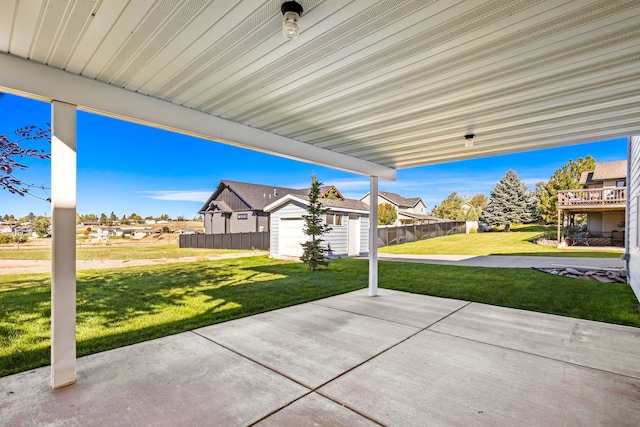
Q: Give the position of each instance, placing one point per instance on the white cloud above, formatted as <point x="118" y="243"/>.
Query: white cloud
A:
<point x="178" y="196"/>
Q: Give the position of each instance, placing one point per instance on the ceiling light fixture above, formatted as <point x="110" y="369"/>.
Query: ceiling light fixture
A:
<point x="468" y="140"/>
<point x="291" y="12"/>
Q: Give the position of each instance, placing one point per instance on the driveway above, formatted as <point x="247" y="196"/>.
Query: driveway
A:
<point x="507" y="261"/>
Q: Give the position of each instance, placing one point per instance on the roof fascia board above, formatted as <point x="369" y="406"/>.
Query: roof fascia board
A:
<point x="34" y="80"/>
<point x="283" y="200"/>
<point x="380" y="196"/>
<point x="289" y="197"/>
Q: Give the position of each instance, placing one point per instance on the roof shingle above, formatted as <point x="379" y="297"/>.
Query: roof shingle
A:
<point x="610" y="170"/>
<point x="398" y="200"/>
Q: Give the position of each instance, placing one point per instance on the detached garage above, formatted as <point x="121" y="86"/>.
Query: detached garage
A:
<point x="348" y="218"/>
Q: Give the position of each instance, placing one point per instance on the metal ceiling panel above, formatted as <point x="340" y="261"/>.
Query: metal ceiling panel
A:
<point x="392" y="82"/>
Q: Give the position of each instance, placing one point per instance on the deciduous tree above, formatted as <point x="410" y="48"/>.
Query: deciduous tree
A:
<point x="14" y="146"/>
<point x="41" y="226"/>
<point x="387" y="214"/>
<point x="333" y="194"/>
<point x="478" y="201"/>
<point x="450" y="208"/>
<point x="472" y="214"/>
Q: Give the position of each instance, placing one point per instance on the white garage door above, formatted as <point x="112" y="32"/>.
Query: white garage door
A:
<point x="290" y="237"/>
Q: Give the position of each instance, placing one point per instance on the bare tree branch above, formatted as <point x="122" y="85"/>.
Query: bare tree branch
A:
<point x="13" y="148"/>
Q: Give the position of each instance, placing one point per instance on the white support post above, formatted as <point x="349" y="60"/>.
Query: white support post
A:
<point x="373" y="236"/>
<point x="63" y="246"/>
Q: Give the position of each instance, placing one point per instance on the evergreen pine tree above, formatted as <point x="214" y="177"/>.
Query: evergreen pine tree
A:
<point x="510" y="202"/>
<point x="534" y="201"/>
<point x="314" y="254"/>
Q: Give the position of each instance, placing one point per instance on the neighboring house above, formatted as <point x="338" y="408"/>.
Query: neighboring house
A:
<point x="603" y="200"/>
<point x="348" y="218"/>
<point x="410" y="210"/>
<point x="238" y="207"/>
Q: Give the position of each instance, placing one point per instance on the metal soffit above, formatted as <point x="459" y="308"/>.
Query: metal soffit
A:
<point x="394" y="83"/>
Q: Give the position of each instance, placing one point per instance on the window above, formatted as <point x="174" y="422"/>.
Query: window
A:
<point x="621" y="183"/>
<point x="334" y="219"/>
<point x="243" y="216"/>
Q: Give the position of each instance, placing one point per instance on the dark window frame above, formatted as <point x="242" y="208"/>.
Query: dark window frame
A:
<point x="336" y="219"/>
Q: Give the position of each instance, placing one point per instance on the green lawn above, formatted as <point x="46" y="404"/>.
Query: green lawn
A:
<point x="125" y="306"/>
<point x="115" y="252"/>
<point x="517" y="242"/>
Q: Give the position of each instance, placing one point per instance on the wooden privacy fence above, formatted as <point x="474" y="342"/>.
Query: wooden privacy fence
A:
<point x="389" y="236"/>
<point x="246" y="241"/>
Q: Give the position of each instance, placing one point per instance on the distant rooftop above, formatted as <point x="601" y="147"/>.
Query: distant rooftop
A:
<point x="604" y="171"/>
<point x="399" y="200"/>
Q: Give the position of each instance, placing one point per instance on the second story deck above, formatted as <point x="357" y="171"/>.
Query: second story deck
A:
<point x="612" y="198"/>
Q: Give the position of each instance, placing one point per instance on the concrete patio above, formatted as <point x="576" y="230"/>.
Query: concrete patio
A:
<point x="397" y="359"/>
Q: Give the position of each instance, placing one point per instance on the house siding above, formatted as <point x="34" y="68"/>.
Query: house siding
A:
<point x="611" y="221"/>
<point x="238" y="225"/>
<point x="214" y="223"/>
<point x="232" y="200"/>
<point x="338" y="237"/>
<point x="262" y="222"/>
<point x="420" y="208"/>
<point x="633" y="211"/>
<point x="364" y="234"/>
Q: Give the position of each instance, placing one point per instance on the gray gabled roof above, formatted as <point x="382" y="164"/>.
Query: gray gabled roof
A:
<point x="417" y="215"/>
<point x="400" y="201"/>
<point x="256" y="196"/>
<point x="610" y="170"/>
<point x="220" y="205"/>
<point x="604" y="171"/>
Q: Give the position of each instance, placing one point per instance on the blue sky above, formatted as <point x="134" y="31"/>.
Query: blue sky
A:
<point x="126" y="168"/>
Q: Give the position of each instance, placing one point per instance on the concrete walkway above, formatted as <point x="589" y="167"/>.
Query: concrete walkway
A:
<point x="396" y="360"/>
<point x="507" y="261"/>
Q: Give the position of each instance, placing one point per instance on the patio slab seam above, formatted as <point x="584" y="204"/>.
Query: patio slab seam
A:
<point x="275" y="411"/>
<point x="315" y="389"/>
<point x="418" y="331"/>
<point x="269" y="368"/>
<point x="345" y="372"/>
<point x="578" y="365"/>
<point x="420" y="328"/>
<point x="244" y="356"/>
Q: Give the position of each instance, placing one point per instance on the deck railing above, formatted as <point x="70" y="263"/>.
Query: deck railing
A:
<point x="593" y="197"/>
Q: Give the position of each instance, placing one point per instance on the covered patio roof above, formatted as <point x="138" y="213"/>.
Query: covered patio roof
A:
<point x="368" y="86"/>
